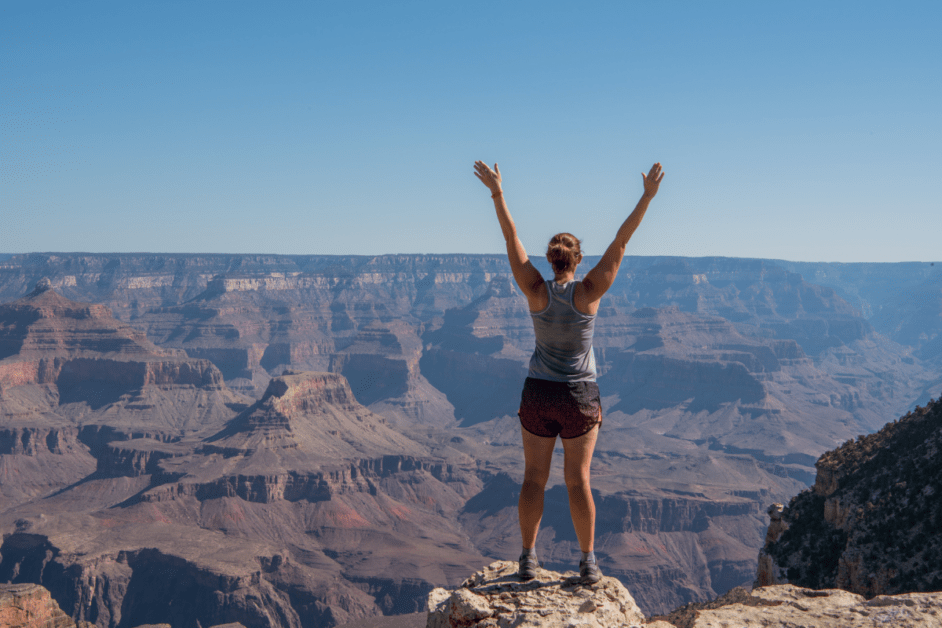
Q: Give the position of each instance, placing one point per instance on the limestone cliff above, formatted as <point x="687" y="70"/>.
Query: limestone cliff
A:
<point x="872" y="523"/>
<point x="73" y="379"/>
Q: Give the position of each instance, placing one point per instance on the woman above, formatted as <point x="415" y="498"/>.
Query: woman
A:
<point x="560" y="396"/>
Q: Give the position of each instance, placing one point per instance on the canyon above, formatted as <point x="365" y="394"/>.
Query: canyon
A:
<point x="309" y="440"/>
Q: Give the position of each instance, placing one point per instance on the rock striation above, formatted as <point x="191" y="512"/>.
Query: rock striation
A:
<point x="303" y="510"/>
<point x="30" y="606"/>
<point x="74" y="379"/>
<point x="66" y="363"/>
<point x="872" y="523"/>
<point x="494" y="597"/>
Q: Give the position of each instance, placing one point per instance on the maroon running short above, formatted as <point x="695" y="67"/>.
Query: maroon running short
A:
<point x="564" y="409"/>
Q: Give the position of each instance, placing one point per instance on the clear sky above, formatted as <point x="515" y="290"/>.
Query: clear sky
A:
<point x="796" y="130"/>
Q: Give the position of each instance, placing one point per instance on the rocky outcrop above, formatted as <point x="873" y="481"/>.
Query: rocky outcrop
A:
<point x="769" y="572"/>
<point x="872" y="523"/>
<point x="788" y="606"/>
<point x="495" y="597"/>
<point x="30" y="440"/>
<point x="644" y="538"/>
<point x="30" y="606"/>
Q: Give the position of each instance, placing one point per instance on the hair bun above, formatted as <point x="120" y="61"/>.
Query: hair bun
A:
<point x="564" y="252"/>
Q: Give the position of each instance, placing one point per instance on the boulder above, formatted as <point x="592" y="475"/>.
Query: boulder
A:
<point x="494" y="597"/>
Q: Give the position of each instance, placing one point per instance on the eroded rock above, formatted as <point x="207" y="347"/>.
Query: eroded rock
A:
<point x="30" y="606"/>
<point x="788" y="606"/>
<point x="871" y="523"/>
<point x="494" y="597"/>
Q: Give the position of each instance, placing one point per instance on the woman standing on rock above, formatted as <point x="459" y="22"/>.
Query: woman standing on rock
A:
<point x="560" y="396"/>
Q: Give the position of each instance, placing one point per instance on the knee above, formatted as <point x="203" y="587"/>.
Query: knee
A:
<point x="533" y="484"/>
<point x="578" y="482"/>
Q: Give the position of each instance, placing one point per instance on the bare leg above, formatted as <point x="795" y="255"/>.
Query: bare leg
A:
<point x="537" y="455"/>
<point x="576" y="469"/>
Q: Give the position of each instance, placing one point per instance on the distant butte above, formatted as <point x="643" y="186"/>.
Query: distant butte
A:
<point x="72" y="378"/>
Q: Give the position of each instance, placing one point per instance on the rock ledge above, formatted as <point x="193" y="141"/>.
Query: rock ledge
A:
<point x="788" y="606"/>
<point x="495" y="598"/>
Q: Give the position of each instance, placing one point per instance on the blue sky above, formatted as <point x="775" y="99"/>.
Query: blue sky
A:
<point x="800" y="130"/>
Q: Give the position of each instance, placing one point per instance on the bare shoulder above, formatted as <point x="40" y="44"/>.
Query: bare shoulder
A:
<point x="582" y="298"/>
<point x="537" y="296"/>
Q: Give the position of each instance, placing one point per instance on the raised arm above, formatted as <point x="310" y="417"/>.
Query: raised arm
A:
<point x="525" y="274"/>
<point x="598" y="280"/>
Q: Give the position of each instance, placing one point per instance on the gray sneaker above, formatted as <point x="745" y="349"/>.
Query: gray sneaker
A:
<point x="528" y="566"/>
<point x="589" y="572"/>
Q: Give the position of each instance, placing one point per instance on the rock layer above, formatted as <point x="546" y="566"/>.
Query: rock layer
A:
<point x="305" y="510"/>
<point x="30" y="606"/>
<point x="65" y="362"/>
<point x="723" y="380"/>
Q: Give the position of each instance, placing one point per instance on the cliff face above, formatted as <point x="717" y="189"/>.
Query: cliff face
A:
<point x="73" y="378"/>
<point x="304" y="510"/>
<point x="30" y="606"/>
<point x="64" y="362"/>
<point x="872" y="523"/>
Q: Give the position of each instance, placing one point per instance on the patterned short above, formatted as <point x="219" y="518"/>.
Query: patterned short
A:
<point x="564" y="409"/>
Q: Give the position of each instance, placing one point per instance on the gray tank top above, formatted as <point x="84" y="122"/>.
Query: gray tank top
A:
<point x="563" y="350"/>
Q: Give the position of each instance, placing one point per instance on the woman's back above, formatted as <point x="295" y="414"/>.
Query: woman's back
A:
<point x="563" y="351"/>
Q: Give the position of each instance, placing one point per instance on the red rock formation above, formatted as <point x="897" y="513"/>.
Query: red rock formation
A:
<point x="30" y="606"/>
<point x="306" y="507"/>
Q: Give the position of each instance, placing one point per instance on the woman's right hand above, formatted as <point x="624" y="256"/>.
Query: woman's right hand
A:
<point x="490" y="178"/>
<point x="653" y="180"/>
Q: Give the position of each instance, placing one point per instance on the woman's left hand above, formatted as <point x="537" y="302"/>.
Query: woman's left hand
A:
<point x="490" y="178"/>
<point x="652" y="181"/>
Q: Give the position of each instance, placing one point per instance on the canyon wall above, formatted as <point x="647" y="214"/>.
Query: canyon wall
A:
<point x="186" y="435"/>
<point x="872" y="522"/>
